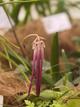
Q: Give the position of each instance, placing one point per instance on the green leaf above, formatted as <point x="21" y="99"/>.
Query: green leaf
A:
<point x="67" y="68"/>
<point x="73" y="103"/>
<point x="55" y="58"/>
<point x="50" y="94"/>
<point x="29" y="103"/>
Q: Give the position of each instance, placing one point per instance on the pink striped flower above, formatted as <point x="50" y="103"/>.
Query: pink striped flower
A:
<point x="38" y="56"/>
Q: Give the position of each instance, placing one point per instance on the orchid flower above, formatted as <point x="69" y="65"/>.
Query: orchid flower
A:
<point x="38" y="46"/>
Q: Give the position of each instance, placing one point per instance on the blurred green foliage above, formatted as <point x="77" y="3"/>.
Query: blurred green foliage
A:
<point x="14" y="7"/>
<point x="42" y="7"/>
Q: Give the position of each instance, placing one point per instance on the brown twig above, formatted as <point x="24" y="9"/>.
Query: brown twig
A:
<point x="15" y="35"/>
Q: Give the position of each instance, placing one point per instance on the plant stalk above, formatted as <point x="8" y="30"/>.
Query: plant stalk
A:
<point x="55" y="58"/>
<point x="15" y="35"/>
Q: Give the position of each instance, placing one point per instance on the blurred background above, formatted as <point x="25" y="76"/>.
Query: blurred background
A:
<point x="22" y="12"/>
